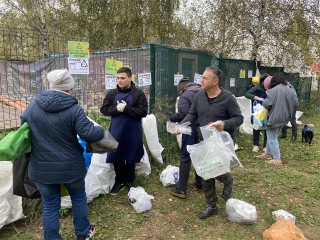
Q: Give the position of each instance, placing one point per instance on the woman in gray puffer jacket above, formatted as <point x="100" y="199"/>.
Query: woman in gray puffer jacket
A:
<point x="281" y="102"/>
<point x="56" y="158"/>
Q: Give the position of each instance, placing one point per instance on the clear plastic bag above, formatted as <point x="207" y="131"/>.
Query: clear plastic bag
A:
<point x="208" y="131"/>
<point x="140" y="199"/>
<point x="241" y="212"/>
<point x="282" y="214"/>
<point x="214" y="155"/>
<point x="183" y="128"/>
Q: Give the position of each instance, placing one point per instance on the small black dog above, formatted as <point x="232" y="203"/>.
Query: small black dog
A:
<point x="307" y="134"/>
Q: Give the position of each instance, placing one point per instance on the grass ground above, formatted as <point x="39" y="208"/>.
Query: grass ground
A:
<point x="294" y="187"/>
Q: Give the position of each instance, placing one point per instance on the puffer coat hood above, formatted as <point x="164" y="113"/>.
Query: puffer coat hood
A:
<point x="55" y="101"/>
<point x="55" y="121"/>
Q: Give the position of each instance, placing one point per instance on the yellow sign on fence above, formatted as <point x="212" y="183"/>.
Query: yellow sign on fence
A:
<point x="112" y="66"/>
<point x="78" y="49"/>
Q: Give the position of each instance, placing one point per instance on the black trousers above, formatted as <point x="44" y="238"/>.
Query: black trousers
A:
<point x="184" y="173"/>
<point x="256" y="137"/>
<point x="125" y="172"/>
<point x="209" y="188"/>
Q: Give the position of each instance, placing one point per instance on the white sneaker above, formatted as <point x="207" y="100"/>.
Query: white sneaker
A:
<point x="255" y="149"/>
<point x="265" y="149"/>
<point x="236" y="147"/>
<point x="91" y="233"/>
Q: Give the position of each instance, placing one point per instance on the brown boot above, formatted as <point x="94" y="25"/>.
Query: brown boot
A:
<point x="265" y="156"/>
<point x="275" y="162"/>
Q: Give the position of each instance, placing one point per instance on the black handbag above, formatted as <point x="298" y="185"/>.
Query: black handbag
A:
<point x="22" y="185"/>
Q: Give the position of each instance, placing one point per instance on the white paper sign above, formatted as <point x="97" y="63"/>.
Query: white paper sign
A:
<point x="111" y="81"/>
<point x="78" y="65"/>
<point x="177" y="78"/>
<point x="197" y="78"/>
<point x="250" y="73"/>
<point x="144" y="79"/>
<point x="232" y="82"/>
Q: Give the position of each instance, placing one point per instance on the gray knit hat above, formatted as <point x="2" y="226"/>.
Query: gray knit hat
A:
<point x="60" y="79"/>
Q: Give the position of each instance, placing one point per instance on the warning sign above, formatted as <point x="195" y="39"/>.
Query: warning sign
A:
<point x="78" y="65"/>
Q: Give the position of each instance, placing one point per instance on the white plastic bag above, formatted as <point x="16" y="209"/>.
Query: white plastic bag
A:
<point x="169" y="176"/>
<point x="259" y="117"/>
<point x="150" y="130"/>
<point x="241" y="212"/>
<point x="140" y="199"/>
<point x="143" y="167"/>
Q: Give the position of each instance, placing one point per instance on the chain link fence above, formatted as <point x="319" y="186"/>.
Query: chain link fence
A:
<point x="24" y="63"/>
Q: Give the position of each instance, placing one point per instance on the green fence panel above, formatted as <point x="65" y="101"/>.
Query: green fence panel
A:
<point x="168" y="62"/>
<point x="232" y="80"/>
<point x="270" y="70"/>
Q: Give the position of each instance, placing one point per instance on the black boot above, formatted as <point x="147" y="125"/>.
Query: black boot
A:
<point x="208" y="212"/>
<point x="116" y="188"/>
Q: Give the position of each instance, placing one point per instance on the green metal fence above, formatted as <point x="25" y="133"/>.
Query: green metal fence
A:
<point x="24" y="63"/>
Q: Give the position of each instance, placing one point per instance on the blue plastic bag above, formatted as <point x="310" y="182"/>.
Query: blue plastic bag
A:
<point x="87" y="155"/>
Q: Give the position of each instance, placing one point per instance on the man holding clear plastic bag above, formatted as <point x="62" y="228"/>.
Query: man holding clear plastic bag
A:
<point x="216" y="107"/>
<point x="187" y="91"/>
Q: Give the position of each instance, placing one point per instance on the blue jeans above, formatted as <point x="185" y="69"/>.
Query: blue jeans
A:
<point x="51" y="201"/>
<point x="273" y="147"/>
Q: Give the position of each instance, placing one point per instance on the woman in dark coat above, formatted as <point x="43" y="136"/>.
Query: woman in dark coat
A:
<point x="56" y="158"/>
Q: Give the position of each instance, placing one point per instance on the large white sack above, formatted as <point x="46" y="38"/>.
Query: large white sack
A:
<point x="10" y="205"/>
<point x="143" y="167"/>
<point x="150" y="129"/>
<point x="245" y="107"/>
<point x="298" y="115"/>
<point x="104" y="171"/>
<point x="92" y="186"/>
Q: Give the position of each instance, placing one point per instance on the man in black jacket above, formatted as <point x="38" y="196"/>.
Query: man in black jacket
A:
<point x="218" y="108"/>
<point x="126" y="105"/>
<point x="187" y="90"/>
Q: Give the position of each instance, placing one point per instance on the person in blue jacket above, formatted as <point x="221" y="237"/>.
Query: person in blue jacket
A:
<point x="187" y="90"/>
<point x="126" y="105"/>
<point x="56" y="158"/>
